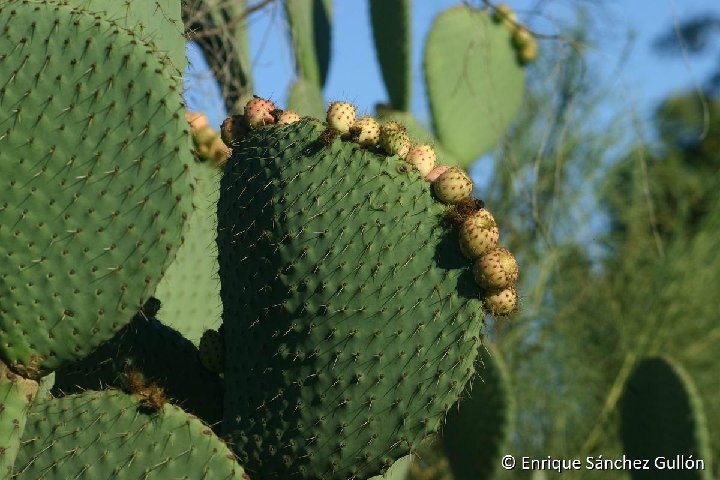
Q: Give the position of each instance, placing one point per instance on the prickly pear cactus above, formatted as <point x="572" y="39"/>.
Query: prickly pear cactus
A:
<point x="662" y="416"/>
<point x="111" y="434"/>
<point x="94" y="154"/>
<point x="351" y="318"/>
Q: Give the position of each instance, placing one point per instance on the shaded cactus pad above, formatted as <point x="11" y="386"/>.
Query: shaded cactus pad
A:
<point x="94" y="149"/>
<point x="351" y="319"/>
<point x="106" y="435"/>
<point x="662" y="416"/>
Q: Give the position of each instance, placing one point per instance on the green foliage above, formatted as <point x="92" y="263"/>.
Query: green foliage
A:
<point x="111" y="434"/>
<point x="474" y="82"/>
<point x="392" y="31"/>
<point x="347" y="253"/>
<point x="93" y="162"/>
<point x="662" y="416"/>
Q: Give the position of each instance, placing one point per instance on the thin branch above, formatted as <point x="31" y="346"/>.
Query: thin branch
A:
<point x="232" y="23"/>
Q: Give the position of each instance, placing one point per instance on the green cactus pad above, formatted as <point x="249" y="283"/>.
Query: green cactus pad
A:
<point x="16" y="395"/>
<point x="398" y="471"/>
<point x="662" y="416"/>
<point x="190" y="289"/>
<point x="476" y="433"/>
<point x="310" y="28"/>
<point x="94" y="149"/>
<point x="109" y="435"/>
<point x="161" y="355"/>
<point x="156" y="22"/>
<point x="306" y="98"/>
<point x="392" y="31"/>
<point x="351" y="318"/>
<point x="474" y="83"/>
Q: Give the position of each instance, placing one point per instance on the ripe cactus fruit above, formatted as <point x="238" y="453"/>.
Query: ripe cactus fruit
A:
<point x="287" y="117"/>
<point x="196" y="120"/>
<point x="394" y="139"/>
<point x="422" y="157"/>
<point x="528" y="52"/>
<point x="365" y="132"/>
<point x="453" y="185"/>
<point x="497" y="269"/>
<point x="478" y="234"/>
<point x="233" y="129"/>
<point x="505" y="15"/>
<point x="501" y="302"/>
<point x="341" y="116"/>
<point x="436" y="172"/>
<point x="212" y="351"/>
<point x="204" y="136"/>
<point x="258" y="112"/>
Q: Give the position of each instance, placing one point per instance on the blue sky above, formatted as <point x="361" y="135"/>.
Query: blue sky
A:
<point x="643" y="80"/>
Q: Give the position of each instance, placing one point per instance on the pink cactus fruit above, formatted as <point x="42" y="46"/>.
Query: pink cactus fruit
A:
<point x="436" y="172"/>
<point x="478" y="234"/>
<point x="496" y="269"/>
<point x="287" y="117"/>
<point x="422" y="157"/>
<point x="196" y="120"/>
<point x="341" y="116"/>
<point x="502" y="302"/>
<point x="233" y="129"/>
<point x="453" y="185"/>
<point x="365" y="132"/>
<point x="394" y="139"/>
<point x="258" y="112"/>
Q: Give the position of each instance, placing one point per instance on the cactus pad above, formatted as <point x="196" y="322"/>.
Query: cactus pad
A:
<point x="108" y="435"/>
<point x="662" y="416"/>
<point x="16" y="395"/>
<point x="94" y="149"/>
<point x="351" y="318"/>
<point x="474" y="82"/>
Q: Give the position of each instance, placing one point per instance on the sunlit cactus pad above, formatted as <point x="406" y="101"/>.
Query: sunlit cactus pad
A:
<point x="351" y="318"/>
<point x="94" y="190"/>
<point x="107" y="435"/>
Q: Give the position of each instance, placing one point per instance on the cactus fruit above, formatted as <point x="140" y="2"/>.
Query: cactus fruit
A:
<point x="521" y="36"/>
<point x="505" y="15"/>
<point x="258" y="112"/>
<point x="365" y="132"/>
<point x="346" y="301"/>
<point x="204" y="136"/>
<point x="196" y="120"/>
<point x="501" y="302"/>
<point x="341" y="116"/>
<point x="436" y="172"/>
<point x="394" y="139"/>
<point x="496" y="269"/>
<point x="478" y="234"/>
<point x="287" y="117"/>
<point x="212" y="351"/>
<point x="452" y="186"/>
<point x="422" y="157"/>
<point x="529" y="52"/>
<point x="233" y="129"/>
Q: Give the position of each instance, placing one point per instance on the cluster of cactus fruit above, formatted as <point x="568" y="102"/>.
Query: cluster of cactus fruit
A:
<point x="494" y="268"/>
<point x="346" y="323"/>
